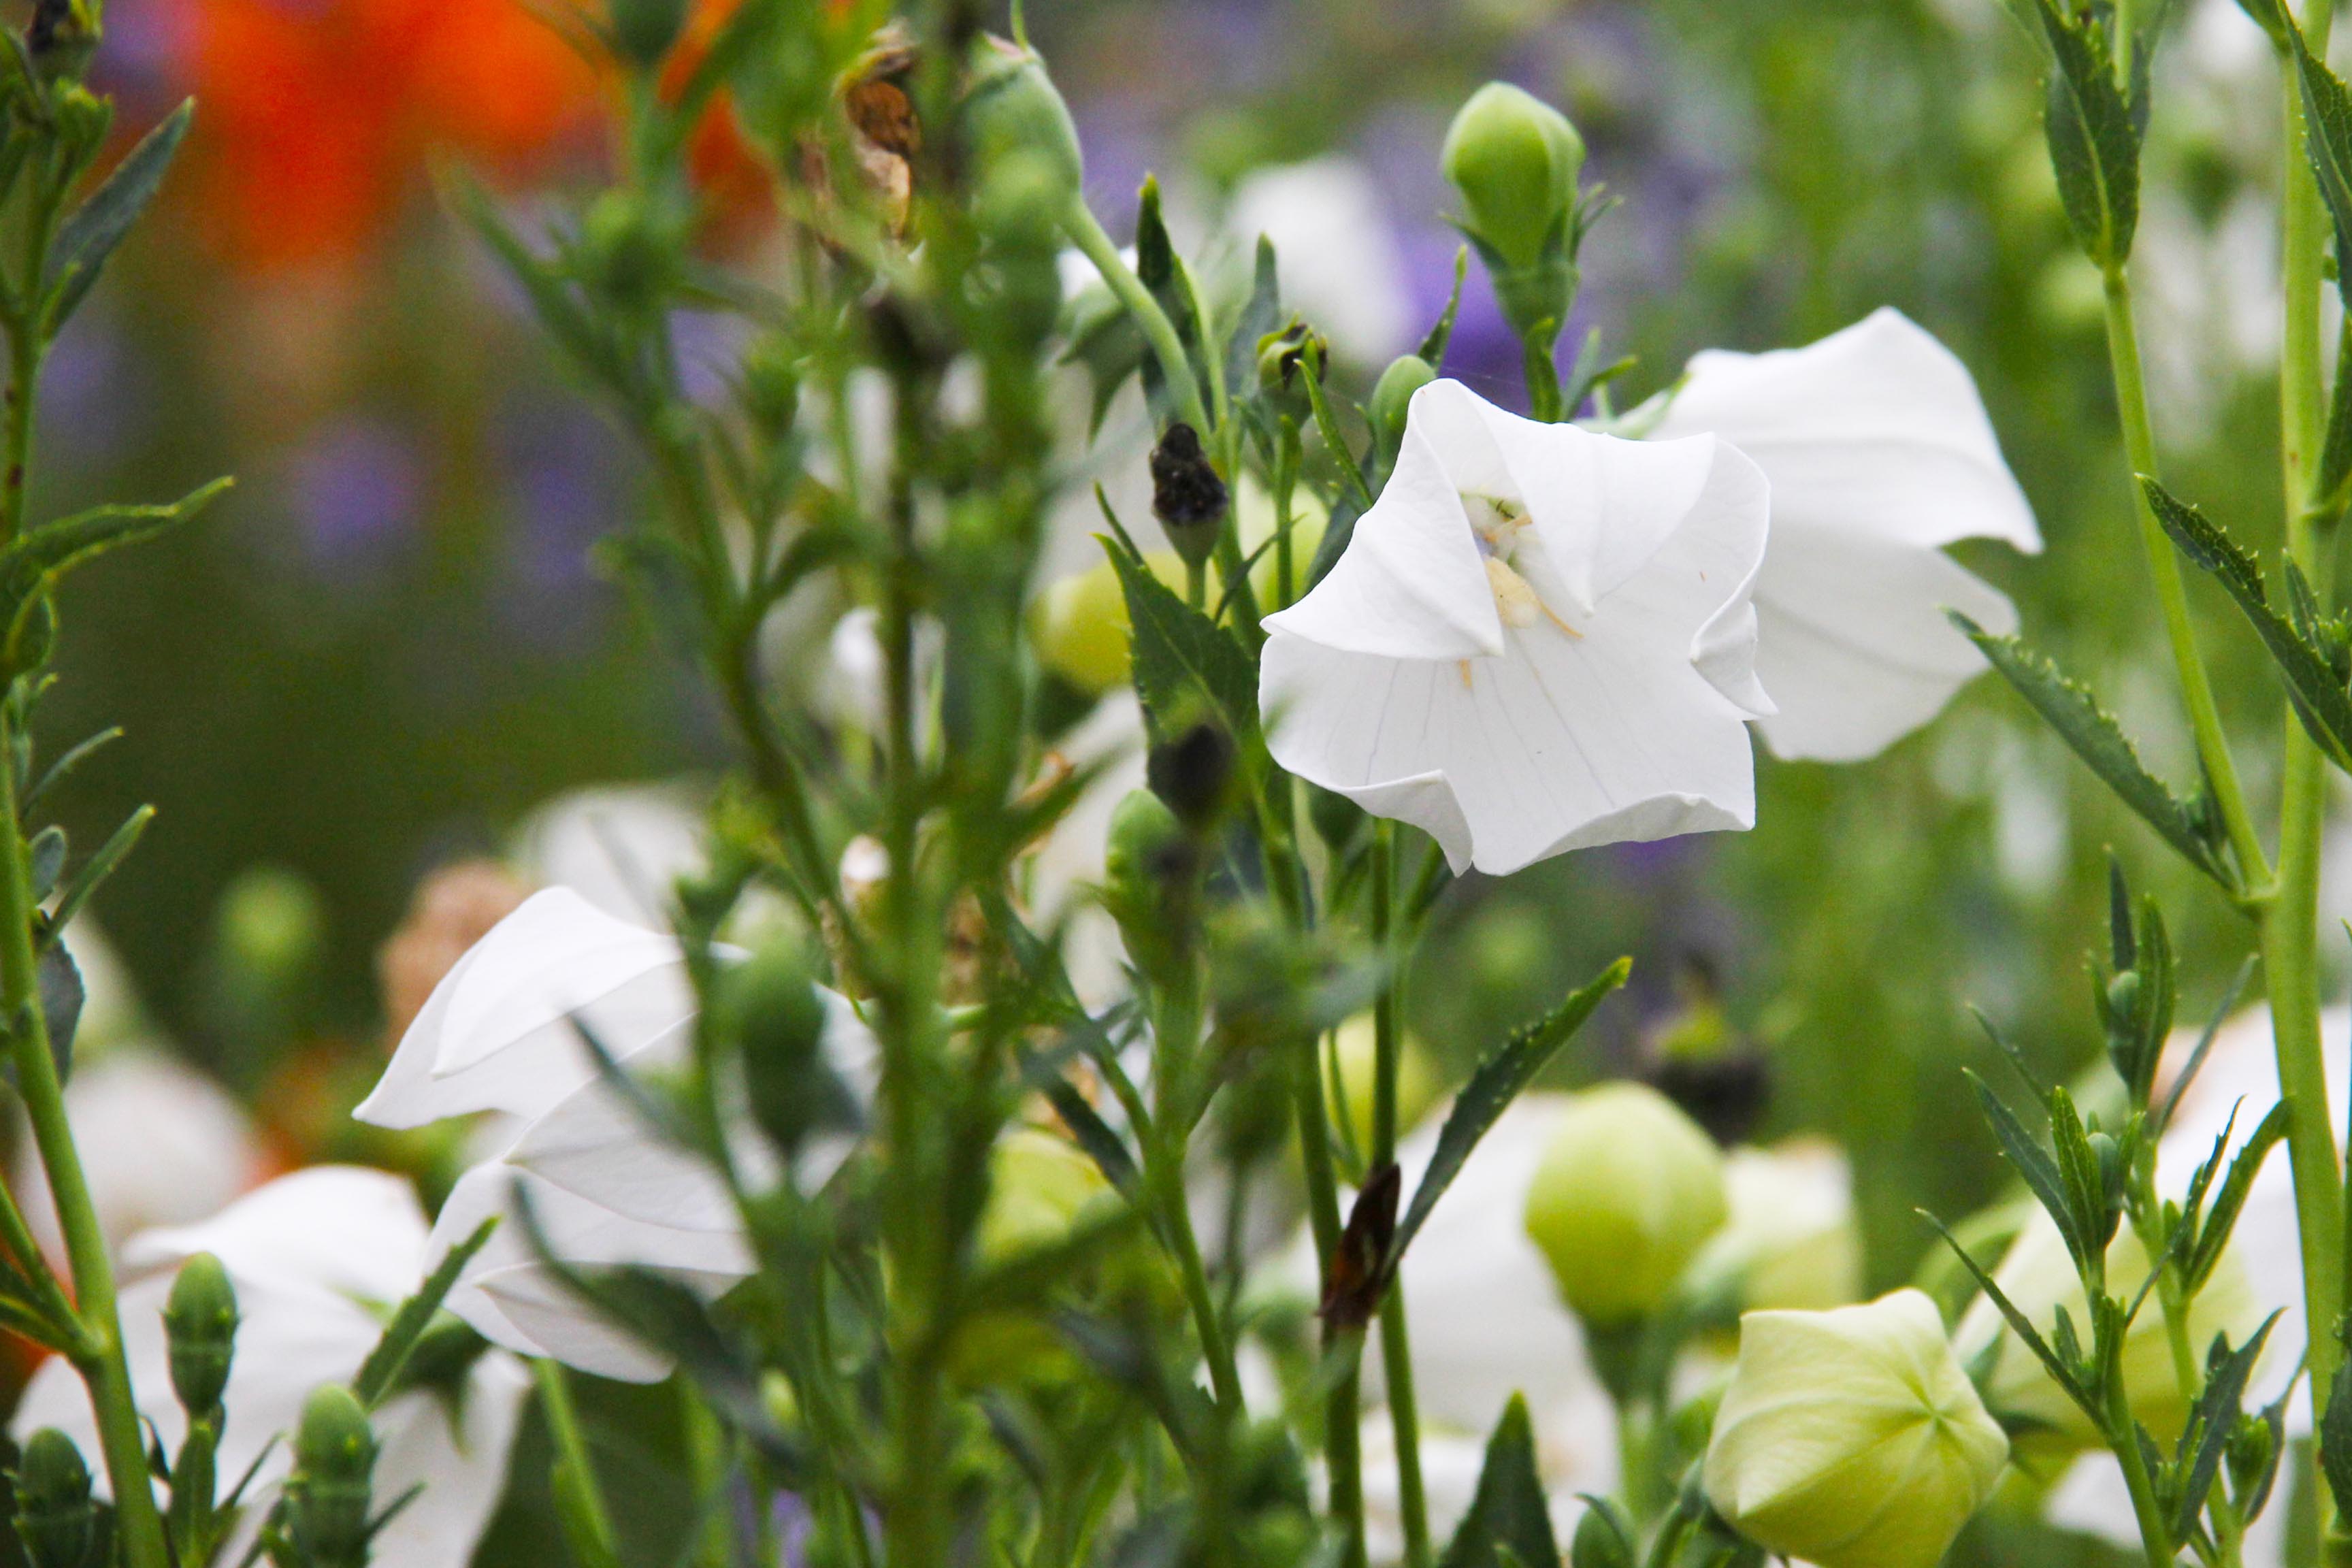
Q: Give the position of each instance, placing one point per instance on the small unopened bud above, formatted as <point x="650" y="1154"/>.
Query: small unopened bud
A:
<point x="2123" y="997"/>
<point x="1627" y="1191"/>
<point x="771" y="1006"/>
<point x="1012" y="108"/>
<point x="1515" y="161"/>
<point x="55" y="1522"/>
<point x="772" y="386"/>
<point x="1851" y="1438"/>
<point x="328" y="1496"/>
<point x="644" y="30"/>
<point x="60" y="38"/>
<point x="1078" y="627"/>
<point x="1282" y="357"/>
<point x="1347" y="1078"/>
<point x="1039" y="1187"/>
<point x="629" y="253"/>
<point x="1391" y="398"/>
<point x="1148" y="863"/>
<point x="1601" y="1540"/>
<point x="1187" y="496"/>
<point x="200" y="1322"/>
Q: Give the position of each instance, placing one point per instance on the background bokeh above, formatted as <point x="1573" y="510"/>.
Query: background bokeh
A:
<point x="391" y="642"/>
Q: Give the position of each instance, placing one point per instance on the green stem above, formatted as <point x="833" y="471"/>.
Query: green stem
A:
<point x="2197" y="689"/>
<point x="1342" y="1440"/>
<point x="2156" y="1540"/>
<point x="1396" y="1347"/>
<point x="571" y="1452"/>
<point x="1545" y="399"/>
<point x="1158" y="332"/>
<point x="1216" y="1349"/>
<point x="101" y="1361"/>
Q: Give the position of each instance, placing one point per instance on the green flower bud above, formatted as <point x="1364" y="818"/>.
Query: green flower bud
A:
<point x="629" y="250"/>
<point x="200" y="1323"/>
<point x="1039" y="1187"/>
<point x="1624" y="1196"/>
<point x="1515" y="160"/>
<point x="2038" y="1276"/>
<point x="644" y="30"/>
<point x="328" y="1496"/>
<point x="1347" y="1078"/>
<point x="1391" y="395"/>
<point x="771" y="387"/>
<point x="1851" y="1438"/>
<point x="770" y="1006"/>
<point x="1148" y="864"/>
<point x="83" y="118"/>
<point x="1012" y="107"/>
<point x="60" y="38"/>
<point x="1078" y="625"/>
<point x="272" y="928"/>
<point x="1791" y="1240"/>
<point x="56" y="1521"/>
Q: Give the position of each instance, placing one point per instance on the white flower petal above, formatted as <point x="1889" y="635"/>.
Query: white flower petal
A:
<point x="1409" y="584"/>
<point x="622" y="847"/>
<point x="308" y="1254"/>
<point x="1339" y="264"/>
<point x="514" y="1299"/>
<point x="1855" y="645"/>
<point x="498" y="1032"/>
<point x="1876" y="429"/>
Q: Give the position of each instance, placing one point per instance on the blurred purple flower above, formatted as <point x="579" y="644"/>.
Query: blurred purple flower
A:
<point x="355" y="489"/>
<point x="92" y="401"/>
<point x="145" y="65"/>
<point x="560" y="480"/>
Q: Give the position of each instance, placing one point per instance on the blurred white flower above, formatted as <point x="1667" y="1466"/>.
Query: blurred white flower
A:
<point x="317" y="1257"/>
<point x="1335" y="253"/>
<point x="620" y="847"/>
<point x="160" y="1144"/>
<point x="1878" y="453"/>
<point x="1487" y="1322"/>
<point x="499" y="1034"/>
<point x="1792" y="1241"/>
<point x="1537" y="640"/>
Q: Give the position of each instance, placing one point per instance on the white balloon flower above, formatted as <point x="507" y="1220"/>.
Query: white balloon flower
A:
<point x="1537" y="639"/>
<point x="501" y="1032"/>
<point x="317" y="1259"/>
<point x="1879" y="454"/>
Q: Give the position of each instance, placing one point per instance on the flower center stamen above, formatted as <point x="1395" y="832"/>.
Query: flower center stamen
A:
<point x="1497" y="525"/>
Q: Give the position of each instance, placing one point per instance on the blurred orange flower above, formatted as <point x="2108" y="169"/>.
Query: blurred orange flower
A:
<point x="321" y="115"/>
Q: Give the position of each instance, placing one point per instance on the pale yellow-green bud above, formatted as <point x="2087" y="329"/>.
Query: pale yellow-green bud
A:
<point x="1012" y="107"/>
<point x="1791" y="1240"/>
<point x="1347" y="1078"/>
<point x="1040" y="1187"/>
<point x="1851" y="1438"/>
<point x="1078" y="625"/>
<point x="1627" y="1191"/>
<point x="1392" y="400"/>
<point x="2038" y="1276"/>
<point x="1515" y="160"/>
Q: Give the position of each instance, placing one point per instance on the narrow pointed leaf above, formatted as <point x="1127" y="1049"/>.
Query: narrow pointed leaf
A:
<point x="86" y="240"/>
<point x="1182" y="658"/>
<point x="2061" y="1372"/>
<point x="380" y="1374"/>
<point x="1498" y="1081"/>
<point x="2231" y="1198"/>
<point x="2094" y="135"/>
<point x="1508" y="1513"/>
<point x="2215" y="1421"/>
<point x="2093" y="733"/>
<point x="2038" y="1167"/>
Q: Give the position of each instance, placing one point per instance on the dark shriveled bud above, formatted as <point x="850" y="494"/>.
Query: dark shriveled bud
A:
<point x="1187" y="496"/>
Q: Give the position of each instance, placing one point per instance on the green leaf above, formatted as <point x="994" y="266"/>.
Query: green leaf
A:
<point x="1261" y="314"/>
<point x="1498" y="1081"/>
<point x="2271" y="17"/>
<point x="2327" y="139"/>
<point x="2040" y="1173"/>
<point x="2335" y="487"/>
<point x="1509" y="1514"/>
<point x="1433" y="347"/>
<point x="2214" y="1234"/>
<point x="86" y="238"/>
<point x="2336" y="1440"/>
<point x="2071" y="710"/>
<point x="2094" y="135"/>
<point x="64" y="765"/>
<point x="1182" y="658"/>
<point x="48" y="552"/>
<point x="1162" y="272"/>
<point x="2188" y="1074"/>
<point x="99" y="867"/>
<point x="2318" y="693"/>
<point x="2061" y="1372"/>
<point x="380" y="1374"/>
<point x="2215" y="1421"/>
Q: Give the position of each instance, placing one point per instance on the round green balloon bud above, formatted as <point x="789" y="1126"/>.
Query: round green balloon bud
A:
<point x="1147" y="859"/>
<point x="1392" y="399"/>
<point x="55" y="1522"/>
<point x="1039" y="1186"/>
<point x="770" y="1004"/>
<point x="1013" y="110"/>
<point x="1627" y="1191"/>
<point x="200" y="1323"/>
<point x="1851" y="1438"/>
<point x="1515" y="160"/>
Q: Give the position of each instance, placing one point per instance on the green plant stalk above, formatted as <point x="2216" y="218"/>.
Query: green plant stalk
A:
<point x="2197" y="689"/>
<point x="2155" y="1539"/>
<point x="571" y="1451"/>
<point x="1396" y="1346"/>
<point x="101" y="1359"/>
<point x="1087" y="233"/>
<point x="1178" y="1026"/>
<point x="24" y="352"/>
<point x="1342" y="1440"/>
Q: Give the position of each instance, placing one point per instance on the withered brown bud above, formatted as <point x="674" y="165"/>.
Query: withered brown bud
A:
<point x="1187" y="496"/>
<point x="453" y="909"/>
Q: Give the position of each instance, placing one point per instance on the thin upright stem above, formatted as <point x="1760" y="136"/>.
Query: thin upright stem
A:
<point x="1396" y="1348"/>
<point x="101" y="1361"/>
<point x="1158" y="332"/>
<point x="2196" y="687"/>
<point x="571" y="1451"/>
